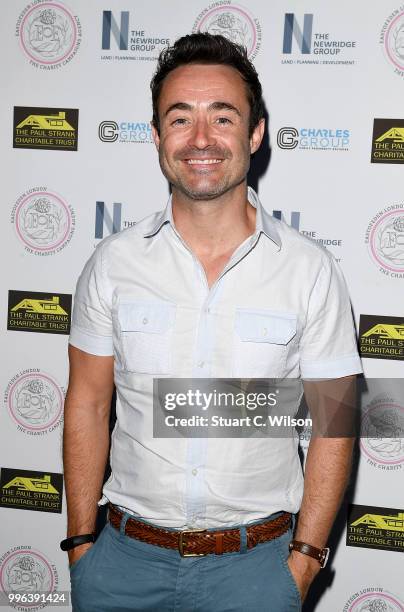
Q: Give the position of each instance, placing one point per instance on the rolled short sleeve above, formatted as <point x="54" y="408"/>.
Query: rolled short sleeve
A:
<point x="328" y="346"/>
<point x="91" y="329"/>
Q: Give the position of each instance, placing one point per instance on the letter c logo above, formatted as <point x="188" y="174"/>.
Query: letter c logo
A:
<point x="287" y="138"/>
<point x="108" y="131"/>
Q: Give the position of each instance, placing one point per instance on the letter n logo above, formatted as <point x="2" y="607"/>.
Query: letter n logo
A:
<point x="294" y="218"/>
<point x="292" y="30"/>
<point x="120" y="34"/>
<point x="102" y="217"/>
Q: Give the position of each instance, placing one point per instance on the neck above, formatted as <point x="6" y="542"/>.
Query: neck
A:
<point x="214" y="227"/>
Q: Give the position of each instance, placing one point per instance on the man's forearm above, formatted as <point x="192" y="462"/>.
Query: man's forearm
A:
<point x="327" y="471"/>
<point x="85" y="452"/>
<point x="328" y="466"/>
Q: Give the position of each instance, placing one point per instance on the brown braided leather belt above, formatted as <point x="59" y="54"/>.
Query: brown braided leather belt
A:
<point x="197" y="542"/>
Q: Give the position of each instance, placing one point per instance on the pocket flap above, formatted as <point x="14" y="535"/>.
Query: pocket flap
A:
<point x="147" y="317"/>
<point x="265" y="326"/>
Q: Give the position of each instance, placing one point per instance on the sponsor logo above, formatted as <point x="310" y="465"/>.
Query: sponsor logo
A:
<point x="29" y="490"/>
<point x="392" y="40"/>
<point x="318" y="139"/>
<point x="49" y="34"/>
<point x="304" y="434"/>
<point x="45" y="128"/>
<point x="382" y="433"/>
<point x="125" y="131"/>
<point x="232" y="21"/>
<point x="294" y="218"/>
<point x="388" y="141"/>
<point x="300" y="40"/>
<point x="302" y="36"/>
<point x="109" y="220"/>
<point x="374" y="527"/>
<point x="305" y="437"/>
<point x="373" y="599"/>
<point x="32" y="311"/>
<point x="34" y="401"/>
<point x="381" y="337"/>
<point x="43" y="221"/>
<point x="294" y="222"/>
<point x="24" y="570"/>
<point x="129" y="41"/>
<point x="385" y="240"/>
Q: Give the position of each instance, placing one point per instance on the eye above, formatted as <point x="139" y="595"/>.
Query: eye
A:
<point x="223" y="120"/>
<point x="179" y="121"/>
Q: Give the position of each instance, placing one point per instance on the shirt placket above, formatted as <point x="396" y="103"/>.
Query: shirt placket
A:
<point x="197" y="448"/>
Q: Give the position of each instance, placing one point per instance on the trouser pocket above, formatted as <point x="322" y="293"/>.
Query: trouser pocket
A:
<point x="282" y="546"/>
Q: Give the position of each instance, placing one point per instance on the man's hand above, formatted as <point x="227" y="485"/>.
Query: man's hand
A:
<point x="77" y="552"/>
<point x="304" y="569"/>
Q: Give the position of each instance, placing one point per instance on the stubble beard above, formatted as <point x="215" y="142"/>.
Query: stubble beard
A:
<point x="207" y="193"/>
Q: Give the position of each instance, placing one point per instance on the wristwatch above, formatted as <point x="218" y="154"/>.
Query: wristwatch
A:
<point x="74" y="541"/>
<point x="321" y="554"/>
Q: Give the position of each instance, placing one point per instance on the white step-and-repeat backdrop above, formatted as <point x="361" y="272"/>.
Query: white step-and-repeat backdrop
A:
<point x="78" y="163"/>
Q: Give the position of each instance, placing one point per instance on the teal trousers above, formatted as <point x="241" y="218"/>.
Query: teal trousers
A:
<point x="120" y="574"/>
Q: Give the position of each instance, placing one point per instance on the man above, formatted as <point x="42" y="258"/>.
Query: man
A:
<point x="212" y="287"/>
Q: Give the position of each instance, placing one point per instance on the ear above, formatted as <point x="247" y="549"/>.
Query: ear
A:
<point x="257" y="136"/>
<point x="155" y="135"/>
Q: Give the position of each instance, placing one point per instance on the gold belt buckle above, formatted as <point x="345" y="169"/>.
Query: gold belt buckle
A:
<point x="181" y="543"/>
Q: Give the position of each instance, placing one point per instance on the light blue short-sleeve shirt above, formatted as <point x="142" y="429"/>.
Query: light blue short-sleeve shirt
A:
<point x="280" y="308"/>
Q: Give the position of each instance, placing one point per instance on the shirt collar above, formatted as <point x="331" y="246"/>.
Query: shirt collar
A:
<point x="264" y="222"/>
<point x="163" y="217"/>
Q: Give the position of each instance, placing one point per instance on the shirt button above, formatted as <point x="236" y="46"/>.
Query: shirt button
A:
<point x="145" y="321"/>
<point x="201" y="364"/>
<point x="208" y="310"/>
<point x="194" y="471"/>
<point x="265" y="331"/>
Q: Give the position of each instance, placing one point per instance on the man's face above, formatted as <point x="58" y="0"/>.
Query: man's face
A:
<point x="204" y="144"/>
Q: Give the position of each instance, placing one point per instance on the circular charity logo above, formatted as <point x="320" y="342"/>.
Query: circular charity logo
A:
<point x="382" y="432"/>
<point x="373" y="600"/>
<point x="35" y="401"/>
<point x="392" y="37"/>
<point x="44" y="222"/>
<point x="25" y="571"/>
<point x="49" y="33"/>
<point x="232" y="21"/>
<point x="385" y="239"/>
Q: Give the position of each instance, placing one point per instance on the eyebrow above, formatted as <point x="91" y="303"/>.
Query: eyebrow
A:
<point x="213" y="106"/>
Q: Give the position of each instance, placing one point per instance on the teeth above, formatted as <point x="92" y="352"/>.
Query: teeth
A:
<point x="203" y="161"/>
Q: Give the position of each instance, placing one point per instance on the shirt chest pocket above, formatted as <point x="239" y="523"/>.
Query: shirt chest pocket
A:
<point x="262" y="341"/>
<point x="146" y="330"/>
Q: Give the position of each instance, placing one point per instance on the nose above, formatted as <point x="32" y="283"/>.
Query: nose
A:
<point x="201" y="136"/>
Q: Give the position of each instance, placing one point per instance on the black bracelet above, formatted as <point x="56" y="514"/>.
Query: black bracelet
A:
<point x="74" y="541"/>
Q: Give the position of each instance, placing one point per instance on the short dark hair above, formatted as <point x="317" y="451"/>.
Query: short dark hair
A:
<point x="204" y="48"/>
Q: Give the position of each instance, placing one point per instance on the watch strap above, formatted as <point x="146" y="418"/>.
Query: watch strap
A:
<point x="74" y="541"/>
<point x="321" y="554"/>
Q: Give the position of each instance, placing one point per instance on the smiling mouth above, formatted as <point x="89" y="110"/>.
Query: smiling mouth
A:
<point x="202" y="162"/>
